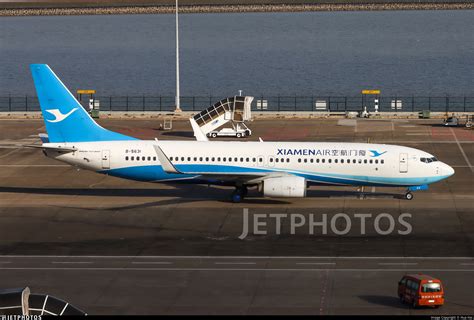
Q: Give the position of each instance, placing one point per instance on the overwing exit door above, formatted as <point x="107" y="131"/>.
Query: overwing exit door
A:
<point x="105" y="159"/>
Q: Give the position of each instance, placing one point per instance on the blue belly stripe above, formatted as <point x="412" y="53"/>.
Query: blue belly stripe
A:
<point x="155" y="173"/>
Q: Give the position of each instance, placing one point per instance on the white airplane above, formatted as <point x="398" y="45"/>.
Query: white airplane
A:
<point x="278" y="169"/>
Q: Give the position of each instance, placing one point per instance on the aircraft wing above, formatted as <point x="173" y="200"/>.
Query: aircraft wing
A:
<point x="247" y="177"/>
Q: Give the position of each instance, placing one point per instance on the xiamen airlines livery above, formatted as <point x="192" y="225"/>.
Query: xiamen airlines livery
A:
<point x="278" y="169"/>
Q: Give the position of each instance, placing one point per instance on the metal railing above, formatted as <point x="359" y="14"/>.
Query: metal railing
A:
<point x="261" y="103"/>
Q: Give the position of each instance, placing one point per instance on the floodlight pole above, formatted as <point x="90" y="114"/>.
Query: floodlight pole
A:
<point x="177" y="99"/>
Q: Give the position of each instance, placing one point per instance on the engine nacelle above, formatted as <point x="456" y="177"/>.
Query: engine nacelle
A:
<point x="287" y="187"/>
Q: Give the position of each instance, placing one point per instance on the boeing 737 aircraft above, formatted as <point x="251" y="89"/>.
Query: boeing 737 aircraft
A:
<point x="278" y="169"/>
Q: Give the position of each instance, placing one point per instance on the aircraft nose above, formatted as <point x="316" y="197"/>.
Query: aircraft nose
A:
<point x="448" y="170"/>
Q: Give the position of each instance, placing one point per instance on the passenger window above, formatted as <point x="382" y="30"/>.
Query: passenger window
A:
<point x="371" y="161"/>
<point x="299" y="160"/>
<point x="311" y="160"/>
<point x="260" y="159"/>
<point x="189" y="158"/>
<point x="287" y="159"/>
<point x="171" y="158"/>
<point x="353" y="160"/>
<point x="317" y="160"/>
<point x="224" y="159"/>
<point x="329" y="160"/>
<point x="247" y="159"/>
<point x="376" y="161"/>
<point x="207" y="159"/>
<point x="382" y="161"/>
<point x="254" y="160"/>
<point x="212" y="159"/>
<point x="149" y="158"/>
<point x="126" y="158"/>
<point x="365" y="161"/>
<point x="305" y="160"/>
<point x="276" y="160"/>
<point x="323" y="160"/>
<point x="132" y="158"/>
<point x="195" y="159"/>
<point x="342" y="160"/>
<point x="271" y="159"/>
<point x="154" y="158"/>
<point x="335" y="160"/>
<point x="241" y="159"/>
<point x="200" y="158"/>
<point x="218" y="159"/>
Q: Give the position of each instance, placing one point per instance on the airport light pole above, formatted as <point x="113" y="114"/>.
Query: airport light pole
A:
<point x="177" y="99"/>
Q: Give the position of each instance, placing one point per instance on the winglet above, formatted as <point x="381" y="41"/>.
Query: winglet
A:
<point x="168" y="167"/>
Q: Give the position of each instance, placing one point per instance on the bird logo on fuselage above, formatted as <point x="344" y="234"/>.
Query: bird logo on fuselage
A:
<point x="375" y="153"/>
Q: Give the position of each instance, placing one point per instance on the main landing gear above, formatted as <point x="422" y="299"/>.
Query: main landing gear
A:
<point x="239" y="194"/>
<point x="408" y="195"/>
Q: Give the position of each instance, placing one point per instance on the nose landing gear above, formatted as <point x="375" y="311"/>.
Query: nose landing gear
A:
<point x="408" y="195"/>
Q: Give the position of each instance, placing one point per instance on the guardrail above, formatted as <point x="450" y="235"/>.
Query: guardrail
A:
<point x="261" y="103"/>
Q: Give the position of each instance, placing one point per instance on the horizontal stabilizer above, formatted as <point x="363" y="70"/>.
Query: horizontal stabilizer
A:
<point x="51" y="148"/>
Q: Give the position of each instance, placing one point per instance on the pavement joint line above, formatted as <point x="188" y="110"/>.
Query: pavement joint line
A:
<point x="466" y="264"/>
<point x="72" y="262"/>
<point x="34" y="165"/>
<point x="234" y="257"/>
<point x="462" y="150"/>
<point x="238" y="269"/>
<point x="315" y="263"/>
<point x="151" y="262"/>
<point x="397" y="263"/>
<point x="231" y="263"/>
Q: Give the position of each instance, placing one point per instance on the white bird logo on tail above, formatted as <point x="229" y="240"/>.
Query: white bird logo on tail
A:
<point x="58" y="116"/>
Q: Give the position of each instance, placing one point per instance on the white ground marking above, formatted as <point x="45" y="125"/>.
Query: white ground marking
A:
<point x="34" y="165"/>
<point x="462" y="150"/>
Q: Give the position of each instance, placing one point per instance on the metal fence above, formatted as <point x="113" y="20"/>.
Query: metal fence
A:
<point x="261" y="103"/>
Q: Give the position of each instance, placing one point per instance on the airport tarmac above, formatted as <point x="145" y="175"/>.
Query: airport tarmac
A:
<point x="115" y="246"/>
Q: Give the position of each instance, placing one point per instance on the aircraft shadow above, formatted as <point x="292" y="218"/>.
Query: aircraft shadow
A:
<point x="387" y="301"/>
<point x="350" y="194"/>
<point x="186" y="134"/>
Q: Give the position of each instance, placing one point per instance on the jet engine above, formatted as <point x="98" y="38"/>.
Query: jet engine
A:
<point x="286" y="187"/>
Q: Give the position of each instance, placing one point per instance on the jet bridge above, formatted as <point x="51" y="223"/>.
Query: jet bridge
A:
<point x="235" y="110"/>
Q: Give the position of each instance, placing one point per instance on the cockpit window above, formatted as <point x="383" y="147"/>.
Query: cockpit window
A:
<point x="428" y="160"/>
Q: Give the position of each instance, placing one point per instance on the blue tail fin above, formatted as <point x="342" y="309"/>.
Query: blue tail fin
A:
<point x="64" y="117"/>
